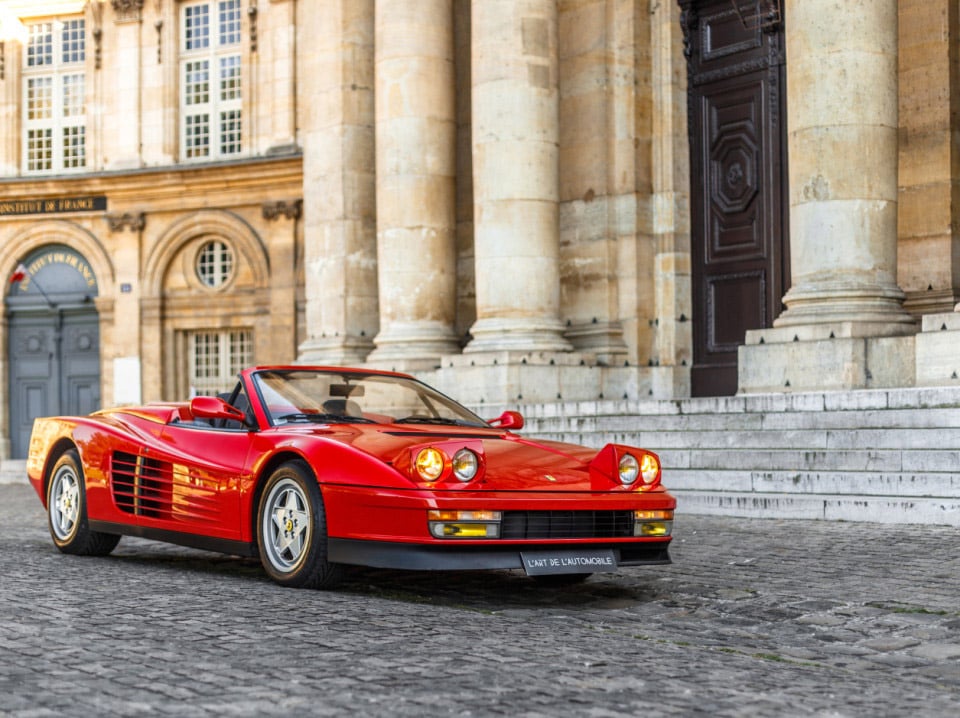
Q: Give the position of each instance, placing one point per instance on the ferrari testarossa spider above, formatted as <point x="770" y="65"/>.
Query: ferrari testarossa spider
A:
<point x="314" y="468"/>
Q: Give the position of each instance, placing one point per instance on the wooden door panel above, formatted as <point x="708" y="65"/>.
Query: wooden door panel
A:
<point x="738" y="218"/>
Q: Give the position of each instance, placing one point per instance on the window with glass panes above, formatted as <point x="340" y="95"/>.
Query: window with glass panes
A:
<point x="216" y="357"/>
<point x="54" y="106"/>
<point x="210" y="77"/>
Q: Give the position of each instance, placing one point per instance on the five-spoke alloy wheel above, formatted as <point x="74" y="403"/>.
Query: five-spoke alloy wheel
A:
<point x="292" y="530"/>
<point x="67" y="511"/>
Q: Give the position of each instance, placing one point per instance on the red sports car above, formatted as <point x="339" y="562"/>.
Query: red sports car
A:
<point x="314" y="468"/>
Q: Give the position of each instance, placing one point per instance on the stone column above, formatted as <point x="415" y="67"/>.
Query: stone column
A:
<point x="844" y="327"/>
<point x="516" y="176"/>
<point x="842" y="143"/>
<point x="335" y="113"/>
<point x="416" y="180"/>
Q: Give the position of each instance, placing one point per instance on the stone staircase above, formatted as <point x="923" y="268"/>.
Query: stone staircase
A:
<point x="877" y="455"/>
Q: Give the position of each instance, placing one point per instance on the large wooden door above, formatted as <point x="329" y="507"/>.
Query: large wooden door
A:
<point x="739" y="249"/>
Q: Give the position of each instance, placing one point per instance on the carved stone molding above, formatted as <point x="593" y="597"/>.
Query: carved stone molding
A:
<point x="134" y="221"/>
<point x="127" y="10"/>
<point x="291" y="209"/>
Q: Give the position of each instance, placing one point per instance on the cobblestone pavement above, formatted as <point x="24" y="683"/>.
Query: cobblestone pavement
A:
<point x="754" y="618"/>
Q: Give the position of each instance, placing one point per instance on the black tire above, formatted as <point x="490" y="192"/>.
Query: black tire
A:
<point x="67" y="511"/>
<point x="292" y="530"/>
<point x="558" y="580"/>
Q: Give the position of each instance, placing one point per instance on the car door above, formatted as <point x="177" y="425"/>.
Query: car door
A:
<point x="191" y="478"/>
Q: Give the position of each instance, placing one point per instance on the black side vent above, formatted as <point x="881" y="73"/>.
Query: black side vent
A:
<point x="141" y="486"/>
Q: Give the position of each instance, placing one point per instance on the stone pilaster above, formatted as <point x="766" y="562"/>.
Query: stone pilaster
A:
<point x="122" y="63"/>
<point x="276" y="45"/>
<point x="339" y="191"/>
<point x="10" y="64"/>
<point x="416" y="180"/>
<point x="516" y="126"/>
<point x="842" y="143"/>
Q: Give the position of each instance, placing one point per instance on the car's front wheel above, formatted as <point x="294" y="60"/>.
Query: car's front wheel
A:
<point x="292" y="530"/>
<point x="67" y="511"/>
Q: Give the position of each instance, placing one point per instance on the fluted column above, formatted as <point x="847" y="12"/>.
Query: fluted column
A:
<point x="416" y="172"/>
<point x="516" y="176"/>
<point x="842" y="120"/>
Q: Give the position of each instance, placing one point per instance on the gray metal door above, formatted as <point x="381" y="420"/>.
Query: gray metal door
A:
<point x="54" y="368"/>
<point x="54" y="341"/>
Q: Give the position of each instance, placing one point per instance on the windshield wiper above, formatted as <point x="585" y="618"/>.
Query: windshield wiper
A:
<point x="326" y="418"/>
<point x="433" y="420"/>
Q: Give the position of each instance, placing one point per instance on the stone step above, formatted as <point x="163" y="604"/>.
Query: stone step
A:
<point x="879" y="455"/>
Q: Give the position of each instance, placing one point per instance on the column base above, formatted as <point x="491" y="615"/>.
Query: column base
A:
<point x="604" y="340"/>
<point x="334" y="351"/>
<point x="826" y="357"/>
<point x="408" y="346"/>
<point x="878" y="309"/>
<point x="517" y="335"/>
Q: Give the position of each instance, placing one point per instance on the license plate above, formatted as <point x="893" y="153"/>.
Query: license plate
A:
<point x="540" y="563"/>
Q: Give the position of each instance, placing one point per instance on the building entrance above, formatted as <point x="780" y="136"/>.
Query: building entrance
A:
<point x="54" y="341"/>
<point x="738" y="165"/>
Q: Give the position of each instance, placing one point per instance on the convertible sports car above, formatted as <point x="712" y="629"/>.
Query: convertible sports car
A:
<point x="313" y="468"/>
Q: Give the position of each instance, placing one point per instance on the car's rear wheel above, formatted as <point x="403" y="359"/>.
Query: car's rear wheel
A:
<point x="67" y="511"/>
<point x="292" y="530"/>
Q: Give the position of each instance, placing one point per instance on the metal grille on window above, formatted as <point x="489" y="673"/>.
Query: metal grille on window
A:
<point x="216" y="357"/>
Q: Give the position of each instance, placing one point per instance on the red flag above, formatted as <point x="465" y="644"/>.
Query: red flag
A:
<point x="18" y="274"/>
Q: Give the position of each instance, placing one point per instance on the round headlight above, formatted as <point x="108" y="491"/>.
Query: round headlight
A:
<point x="429" y="464"/>
<point x="649" y="468"/>
<point x="465" y="464"/>
<point x="629" y="469"/>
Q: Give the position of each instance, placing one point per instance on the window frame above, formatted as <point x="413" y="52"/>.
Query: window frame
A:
<point x="228" y="351"/>
<point x="48" y="76"/>
<point x="210" y="75"/>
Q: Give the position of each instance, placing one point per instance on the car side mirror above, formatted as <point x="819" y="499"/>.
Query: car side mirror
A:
<point x="508" y="420"/>
<point x="213" y="407"/>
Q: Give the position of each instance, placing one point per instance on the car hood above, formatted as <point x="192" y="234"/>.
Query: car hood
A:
<point x="510" y="462"/>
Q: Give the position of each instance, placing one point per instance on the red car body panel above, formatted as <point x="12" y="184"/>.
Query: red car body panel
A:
<point x="155" y="471"/>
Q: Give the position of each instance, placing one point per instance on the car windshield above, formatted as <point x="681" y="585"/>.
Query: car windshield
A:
<point x="325" y="396"/>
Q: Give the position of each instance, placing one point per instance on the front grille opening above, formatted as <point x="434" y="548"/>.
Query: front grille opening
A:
<point x="566" y="524"/>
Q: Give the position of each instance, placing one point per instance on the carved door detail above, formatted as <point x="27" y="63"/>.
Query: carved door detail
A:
<point x="739" y="248"/>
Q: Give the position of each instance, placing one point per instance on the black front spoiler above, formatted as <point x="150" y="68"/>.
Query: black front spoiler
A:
<point x="417" y="557"/>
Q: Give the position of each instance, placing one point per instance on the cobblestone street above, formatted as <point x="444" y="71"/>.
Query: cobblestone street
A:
<point x="754" y="618"/>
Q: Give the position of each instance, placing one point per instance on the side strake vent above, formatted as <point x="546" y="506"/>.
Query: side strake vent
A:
<point x="142" y="486"/>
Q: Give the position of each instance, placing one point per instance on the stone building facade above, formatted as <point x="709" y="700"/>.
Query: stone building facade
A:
<point x="493" y="194"/>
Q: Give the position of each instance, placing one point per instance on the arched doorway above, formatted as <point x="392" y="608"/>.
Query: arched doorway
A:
<point x="53" y="340"/>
